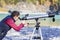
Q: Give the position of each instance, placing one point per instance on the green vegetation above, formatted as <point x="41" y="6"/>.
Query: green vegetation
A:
<point x="11" y="1"/>
<point x="34" y="1"/>
<point x="59" y="2"/>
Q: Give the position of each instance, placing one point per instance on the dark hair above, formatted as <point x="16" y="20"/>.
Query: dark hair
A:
<point x="15" y="13"/>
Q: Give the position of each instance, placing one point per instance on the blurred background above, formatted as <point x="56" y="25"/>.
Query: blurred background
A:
<point x="50" y="30"/>
<point x="27" y="5"/>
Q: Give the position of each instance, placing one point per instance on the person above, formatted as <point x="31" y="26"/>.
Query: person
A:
<point x="51" y="8"/>
<point x="56" y="8"/>
<point x="9" y="22"/>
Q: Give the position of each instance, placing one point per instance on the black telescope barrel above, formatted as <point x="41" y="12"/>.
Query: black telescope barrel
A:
<point x="51" y="15"/>
<point x="27" y="17"/>
<point x="22" y="18"/>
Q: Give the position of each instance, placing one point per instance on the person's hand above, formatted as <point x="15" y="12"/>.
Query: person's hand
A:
<point x="24" y="22"/>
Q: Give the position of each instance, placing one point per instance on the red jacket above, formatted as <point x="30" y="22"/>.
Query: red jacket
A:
<point x="12" y="24"/>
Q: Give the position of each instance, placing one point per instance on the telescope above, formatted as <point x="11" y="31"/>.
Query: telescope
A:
<point x="28" y="17"/>
<point x="37" y="26"/>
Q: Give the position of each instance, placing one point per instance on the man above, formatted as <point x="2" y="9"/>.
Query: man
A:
<point x="9" y="22"/>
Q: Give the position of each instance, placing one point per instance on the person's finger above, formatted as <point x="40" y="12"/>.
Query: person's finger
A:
<point x="26" y="24"/>
<point x="23" y="21"/>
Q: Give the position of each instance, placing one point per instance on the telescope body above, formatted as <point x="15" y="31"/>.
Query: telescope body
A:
<point x="27" y="17"/>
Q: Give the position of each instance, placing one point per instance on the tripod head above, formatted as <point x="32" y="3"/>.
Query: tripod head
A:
<point x="37" y="23"/>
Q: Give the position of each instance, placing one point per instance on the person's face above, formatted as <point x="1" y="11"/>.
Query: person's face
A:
<point x="16" y="18"/>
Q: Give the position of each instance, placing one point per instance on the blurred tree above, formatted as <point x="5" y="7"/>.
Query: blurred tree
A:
<point x="8" y="1"/>
<point x="39" y="1"/>
<point x="59" y="2"/>
<point x="11" y="1"/>
<point x="33" y="1"/>
<point x="16" y="1"/>
<point x="0" y="4"/>
<point x="29" y="1"/>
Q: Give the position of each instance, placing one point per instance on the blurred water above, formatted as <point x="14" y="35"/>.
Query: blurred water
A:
<point x="47" y="33"/>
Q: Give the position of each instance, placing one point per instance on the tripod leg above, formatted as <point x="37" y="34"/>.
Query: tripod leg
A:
<point x="32" y="34"/>
<point x="40" y="33"/>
